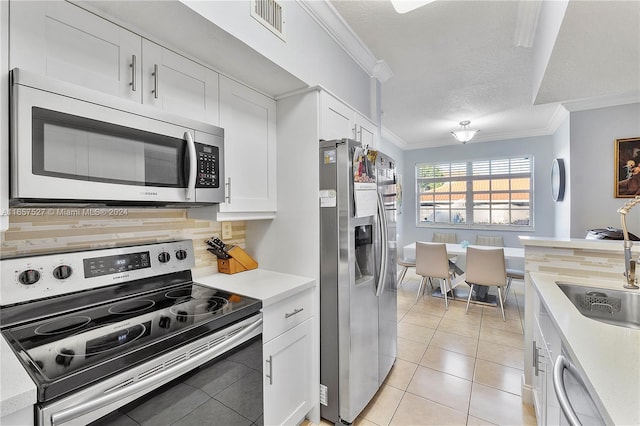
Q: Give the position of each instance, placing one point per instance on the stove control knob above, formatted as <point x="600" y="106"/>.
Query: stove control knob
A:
<point x="62" y="272"/>
<point x="29" y="277"/>
<point x="165" y="322"/>
<point x="65" y="357"/>
<point x="164" y="257"/>
<point x="181" y="254"/>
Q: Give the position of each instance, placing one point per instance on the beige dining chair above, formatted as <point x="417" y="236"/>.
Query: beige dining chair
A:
<point x="404" y="265"/>
<point x="447" y="238"/>
<point x="490" y="240"/>
<point x="498" y="241"/>
<point x="444" y="237"/>
<point x="432" y="262"/>
<point x="486" y="267"/>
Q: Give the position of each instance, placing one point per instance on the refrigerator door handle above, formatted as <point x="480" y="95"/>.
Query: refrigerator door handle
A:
<point x="384" y="249"/>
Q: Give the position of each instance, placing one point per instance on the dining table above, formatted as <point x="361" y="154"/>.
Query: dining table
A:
<point x="461" y="250"/>
<point x="458" y="249"/>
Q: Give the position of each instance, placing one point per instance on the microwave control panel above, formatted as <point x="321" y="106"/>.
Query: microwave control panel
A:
<point x="208" y="166"/>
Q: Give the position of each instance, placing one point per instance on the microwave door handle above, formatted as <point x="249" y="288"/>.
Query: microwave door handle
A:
<point x="193" y="166"/>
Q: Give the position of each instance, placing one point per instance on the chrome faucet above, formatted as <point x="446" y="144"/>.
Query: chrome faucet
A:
<point x="629" y="265"/>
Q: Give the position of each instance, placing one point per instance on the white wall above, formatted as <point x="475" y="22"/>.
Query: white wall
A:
<point x="540" y="147"/>
<point x="309" y="53"/>
<point x="593" y="202"/>
<point x="290" y="242"/>
<point x="561" y="149"/>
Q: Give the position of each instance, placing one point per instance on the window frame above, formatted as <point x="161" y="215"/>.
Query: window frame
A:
<point x="470" y="178"/>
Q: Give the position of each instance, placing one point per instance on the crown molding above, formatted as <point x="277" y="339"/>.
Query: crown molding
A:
<point x="602" y="101"/>
<point x="382" y="71"/>
<point x="391" y="137"/>
<point x="334" y="24"/>
<point x="528" y="13"/>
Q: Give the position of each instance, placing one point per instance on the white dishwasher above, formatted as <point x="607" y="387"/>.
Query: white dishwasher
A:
<point x="576" y="404"/>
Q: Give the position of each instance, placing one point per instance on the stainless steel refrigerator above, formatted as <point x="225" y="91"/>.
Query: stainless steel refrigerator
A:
<point x="358" y="329"/>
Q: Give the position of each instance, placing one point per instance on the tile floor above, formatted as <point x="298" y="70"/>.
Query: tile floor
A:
<point x="452" y="368"/>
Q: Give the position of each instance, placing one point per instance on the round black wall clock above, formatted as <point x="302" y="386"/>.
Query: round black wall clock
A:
<point x="557" y="179"/>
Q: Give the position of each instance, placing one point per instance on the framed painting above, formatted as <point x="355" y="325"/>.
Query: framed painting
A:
<point x="627" y="168"/>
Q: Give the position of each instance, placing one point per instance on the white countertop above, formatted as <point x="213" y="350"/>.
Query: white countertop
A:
<point x="18" y="391"/>
<point x="608" y="356"/>
<point x="268" y="286"/>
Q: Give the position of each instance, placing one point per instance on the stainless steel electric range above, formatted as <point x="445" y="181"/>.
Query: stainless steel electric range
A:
<point x="98" y="329"/>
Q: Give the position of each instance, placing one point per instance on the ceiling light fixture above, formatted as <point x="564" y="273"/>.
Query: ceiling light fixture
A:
<point x="404" y="6"/>
<point x="465" y="134"/>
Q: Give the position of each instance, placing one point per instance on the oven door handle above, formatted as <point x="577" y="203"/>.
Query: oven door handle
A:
<point x="177" y="369"/>
<point x="193" y="165"/>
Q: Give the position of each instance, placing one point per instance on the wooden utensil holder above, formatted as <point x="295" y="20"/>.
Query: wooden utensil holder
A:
<point x="239" y="261"/>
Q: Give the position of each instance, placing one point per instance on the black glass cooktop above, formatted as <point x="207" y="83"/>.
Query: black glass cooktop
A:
<point x="69" y="349"/>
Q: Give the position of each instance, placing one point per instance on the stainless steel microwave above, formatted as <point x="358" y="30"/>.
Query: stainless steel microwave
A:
<point x="74" y="145"/>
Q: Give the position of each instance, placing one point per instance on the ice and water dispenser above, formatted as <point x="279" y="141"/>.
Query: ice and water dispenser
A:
<point x="364" y="267"/>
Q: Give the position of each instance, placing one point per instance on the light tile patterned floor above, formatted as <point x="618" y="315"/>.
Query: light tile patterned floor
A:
<point x="452" y="368"/>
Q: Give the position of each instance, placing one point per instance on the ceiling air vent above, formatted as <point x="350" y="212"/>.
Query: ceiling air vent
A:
<point x="269" y="13"/>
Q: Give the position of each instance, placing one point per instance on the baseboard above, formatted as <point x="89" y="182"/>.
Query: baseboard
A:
<point x="527" y="391"/>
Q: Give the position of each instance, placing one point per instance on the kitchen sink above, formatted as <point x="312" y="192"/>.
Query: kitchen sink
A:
<point x="621" y="308"/>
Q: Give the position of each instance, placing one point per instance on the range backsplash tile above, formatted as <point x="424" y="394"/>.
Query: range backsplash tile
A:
<point x="33" y="231"/>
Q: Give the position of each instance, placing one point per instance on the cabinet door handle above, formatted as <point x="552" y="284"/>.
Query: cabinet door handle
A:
<point x="228" y="196"/>
<point x="133" y="73"/>
<point x="536" y="359"/>
<point x="295" y="311"/>
<point x="270" y="375"/>
<point x="155" y="81"/>
<point x="359" y="133"/>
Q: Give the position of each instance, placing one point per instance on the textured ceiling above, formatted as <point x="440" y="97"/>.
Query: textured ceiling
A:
<point x="457" y="60"/>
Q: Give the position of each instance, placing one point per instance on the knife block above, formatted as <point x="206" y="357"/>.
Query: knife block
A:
<point x="238" y="262"/>
<point x="230" y="266"/>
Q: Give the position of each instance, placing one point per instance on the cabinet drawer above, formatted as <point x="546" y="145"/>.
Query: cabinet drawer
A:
<point x="287" y="314"/>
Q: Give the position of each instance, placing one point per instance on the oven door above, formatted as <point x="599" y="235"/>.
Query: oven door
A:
<point x="66" y="149"/>
<point x="102" y="398"/>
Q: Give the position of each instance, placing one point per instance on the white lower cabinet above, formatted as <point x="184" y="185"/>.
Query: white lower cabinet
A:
<point x="539" y="376"/>
<point x="287" y="376"/>
<point x="546" y="348"/>
<point x="287" y="359"/>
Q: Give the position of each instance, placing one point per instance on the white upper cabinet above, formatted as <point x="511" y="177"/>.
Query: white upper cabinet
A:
<point x="338" y="120"/>
<point x="365" y="131"/>
<point x="249" y="122"/>
<point x="63" y="41"/>
<point x="178" y="85"/>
